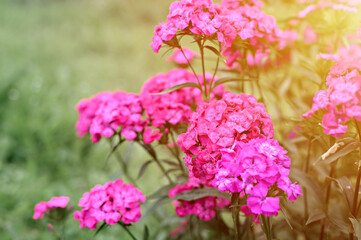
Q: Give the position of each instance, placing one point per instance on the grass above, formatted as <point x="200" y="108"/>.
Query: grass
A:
<point x="52" y="54"/>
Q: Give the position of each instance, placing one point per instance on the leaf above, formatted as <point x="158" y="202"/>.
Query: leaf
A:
<point x="171" y="163"/>
<point x="266" y="226"/>
<point x="315" y="216"/>
<point x="308" y="183"/>
<point x="214" y="50"/>
<point x="146" y="233"/>
<point x="144" y="166"/>
<point x="284" y="213"/>
<point x="158" y="203"/>
<point x="179" y="86"/>
<point x="339" y="149"/>
<point x="200" y="193"/>
<point x="346" y="188"/>
<point x="225" y="80"/>
<point x="356" y="227"/>
<point x="161" y="192"/>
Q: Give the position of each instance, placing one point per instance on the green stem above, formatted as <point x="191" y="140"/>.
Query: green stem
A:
<point x="215" y="71"/>
<point x="190" y="65"/>
<point x="357" y="187"/>
<point x="305" y="198"/>
<point x="328" y="193"/>
<point x="152" y="153"/>
<point x="127" y="230"/>
<point x="176" y="155"/>
<point x="235" y="215"/>
<point x="201" y="50"/>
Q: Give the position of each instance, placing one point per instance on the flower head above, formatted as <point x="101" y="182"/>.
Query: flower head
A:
<point x="103" y="115"/>
<point x="111" y="202"/>
<point x="42" y="208"/>
<point x="217" y="124"/>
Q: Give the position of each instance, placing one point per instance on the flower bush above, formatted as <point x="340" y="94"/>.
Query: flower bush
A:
<point x="224" y="127"/>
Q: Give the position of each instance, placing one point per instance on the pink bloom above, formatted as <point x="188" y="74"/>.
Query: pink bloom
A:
<point x="173" y="108"/>
<point x="204" y="207"/>
<point x="42" y="208"/>
<point x="217" y="124"/>
<point x="309" y="35"/>
<point x="331" y="57"/>
<point x="253" y="167"/>
<point x="111" y="202"/>
<point x="342" y="99"/>
<point x="103" y="114"/>
<point x="149" y="136"/>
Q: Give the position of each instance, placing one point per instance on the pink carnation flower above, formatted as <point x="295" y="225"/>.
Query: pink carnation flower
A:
<point x="170" y="109"/>
<point x="342" y="99"/>
<point x="253" y="168"/>
<point x="204" y="207"/>
<point x="105" y="113"/>
<point x="42" y="208"/>
<point x="217" y="124"/>
<point x="110" y="203"/>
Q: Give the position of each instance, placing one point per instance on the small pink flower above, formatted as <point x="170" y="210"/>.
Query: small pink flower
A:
<point x="111" y="202"/>
<point x="42" y="208"/>
<point x="149" y="136"/>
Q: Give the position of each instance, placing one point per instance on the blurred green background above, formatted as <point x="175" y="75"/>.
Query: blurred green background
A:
<point x="52" y="54"/>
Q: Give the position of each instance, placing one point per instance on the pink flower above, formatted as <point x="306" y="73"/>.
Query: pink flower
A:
<point x="173" y="108"/>
<point x="111" y="202"/>
<point x="342" y="99"/>
<point x="149" y="136"/>
<point x="259" y="203"/>
<point x="253" y="168"/>
<point x="204" y="207"/>
<point x="42" y="208"/>
<point x="103" y="114"/>
<point x="217" y="124"/>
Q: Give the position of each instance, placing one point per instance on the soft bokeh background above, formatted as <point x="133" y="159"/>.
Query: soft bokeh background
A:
<point x="52" y="54"/>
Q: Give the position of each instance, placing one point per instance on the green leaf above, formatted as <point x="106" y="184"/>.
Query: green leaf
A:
<point x="171" y="163"/>
<point x="284" y="213"/>
<point x="146" y="233"/>
<point x="144" y="166"/>
<point x="160" y="202"/>
<point x="179" y="86"/>
<point x="226" y="80"/>
<point x="339" y="149"/>
<point x="214" y="50"/>
<point x="356" y="227"/>
<point x="305" y="181"/>
<point x="200" y="193"/>
<point x="346" y="188"/>
<point x="161" y="192"/>
<point x="266" y="226"/>
<point x="315" y="216"/>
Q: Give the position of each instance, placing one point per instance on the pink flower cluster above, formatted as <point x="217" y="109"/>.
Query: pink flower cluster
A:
<point x="217" y="124"/>
<point x="342" y="99"/>
<point x="105" y="113"/>
<point x="43" y="207"/>
<point x="172" y="108"/>
<point x="262" y="28"/>
<point x="181" y="59"/>
<point x="224" y="23"/>
<point x="253" y="168"/>
<point x="204" y="207"/>
<point x="110" y="203"/>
